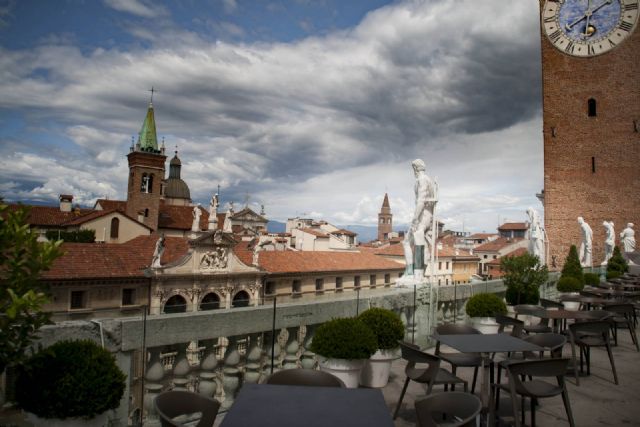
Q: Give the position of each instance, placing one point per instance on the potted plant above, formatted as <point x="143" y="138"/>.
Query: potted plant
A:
<point x="617" y="265"/>
<point x="482" y="309"/>
<point x="71" y="382"/>
<point x="571" y="279"/>
<point x="342" y="346"/>
<point x="591" y="279"/>
<point x="388" y="329"/>
<point x="523" y="276"/>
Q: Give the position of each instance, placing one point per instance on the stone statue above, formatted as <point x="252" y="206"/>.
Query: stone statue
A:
<point x="157" y="253"/>
<point x="195" y="226"/>
<point x="213" y="212"/>
<point x="627" y="238"/>
<point x="421" y="233"/>
<point x="609" y="241"/>
<point x="227" y="221"/>
<point x="585" y="246"/>
<point x="215" y="259"/>
<point x="536" y="236"/>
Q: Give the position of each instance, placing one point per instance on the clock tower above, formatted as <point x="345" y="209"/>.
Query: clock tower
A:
<point x="591" y="119"/>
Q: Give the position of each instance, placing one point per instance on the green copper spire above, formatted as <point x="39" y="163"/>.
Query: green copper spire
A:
<point x="147" y="137"/>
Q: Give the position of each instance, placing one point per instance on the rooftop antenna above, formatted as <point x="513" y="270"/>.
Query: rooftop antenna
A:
<point x="152" y="92"/>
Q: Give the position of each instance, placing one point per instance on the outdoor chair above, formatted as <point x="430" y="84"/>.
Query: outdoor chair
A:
<point x="586" y="335"/>
<point x="430" y="375"/>
<point x="623" y="316"/>
<point x="517" y="326"/>
<point x="307" y="377"/>
<point x="453" y="409"/>
<point x="533" y="388"/>
<point x="176" y="408"/>
<point x="456" y="360"/>
<point x="547" y="303"/>
<point x="533" y="310"/>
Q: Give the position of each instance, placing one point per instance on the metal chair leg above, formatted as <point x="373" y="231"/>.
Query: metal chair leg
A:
<point x="404" y="389"/>
<point x="613" y="366"/>
<point x="567" y="406"/>
<point x="475" y="376"/>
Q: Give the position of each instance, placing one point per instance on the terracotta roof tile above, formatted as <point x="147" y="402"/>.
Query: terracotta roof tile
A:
<point x="345" y="232"/>
<point x="496" y="245"/>
<point x="390" y="250"/>
<point x="181" y="217"/>
<point x="482" y="236"/>
<point x="514" y="226"/>
<point x="517" y="252"/>
<point x="317" y="261"/>
<point x="112" y="260"/>
<point x="316" y="233"/>
<point x="49" y="216"/>
<point x="107" y="205"/>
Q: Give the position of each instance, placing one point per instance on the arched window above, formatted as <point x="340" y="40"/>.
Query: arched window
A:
<point x="241" y="299"/>
<point x="175" y="304"/>
<point x="144" y="183"/>
<point x="115" y="226"/>
<point x="146" y="212"/>
<point x="210" y="302"/>
<point x="381" y="220"/>
<point x="150" y="184"/>
<point x="591" y="107"/>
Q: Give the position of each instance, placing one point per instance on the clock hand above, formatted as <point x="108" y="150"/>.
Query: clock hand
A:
<point x="601" y="6"/>
<point x="588" y="14"/>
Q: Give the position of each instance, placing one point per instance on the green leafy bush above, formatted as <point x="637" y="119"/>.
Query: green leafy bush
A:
<point x="613" y="274"/>
<point x="485" y="305"/>
<point x="572" y="267"/>
<point x="70" y="379"/>
<point x="345" y="338"/>
<point x="523" y="276"/>
<point x="79" y="236"/>
<point x="617" y="263"/>
<point x="569" y="284"/>
<point x="385" y="324"/>
<point x="591" y="279"/>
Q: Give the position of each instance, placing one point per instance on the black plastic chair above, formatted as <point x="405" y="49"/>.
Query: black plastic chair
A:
<point x="465" y="360"/>
<point x="547" y="303"/>
<point x="308" y="377"/>
<point x="431" y="375"/>
<point x="455" y="409"/>
<point x="586" y="335"/>
<point x="535" y="388"/>
<point x="172" y="404"/>
<point x="623" y="316"/>
<point x="517" y="326"/>
<point x="533" y="310"/>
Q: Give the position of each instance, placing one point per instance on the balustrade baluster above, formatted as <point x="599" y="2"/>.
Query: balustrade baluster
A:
<point x="207" y="385"/>
<point x="231" y="379"/>
<point x="291" y="349"/>
<point x="271" y="353"/>
<point x="153" y="385"/>
<point x="253" y="372"/>
<point x="308" y="359"/>
<point x="181" y="368"/>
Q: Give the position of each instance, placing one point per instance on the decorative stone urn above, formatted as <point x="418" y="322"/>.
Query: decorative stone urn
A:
<point x="375" y="372"/>
<point x="347" y="370"/>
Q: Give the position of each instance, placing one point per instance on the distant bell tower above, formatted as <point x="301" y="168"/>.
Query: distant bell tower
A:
<point x="146" y="174"/>
<point x="385" y="220"/>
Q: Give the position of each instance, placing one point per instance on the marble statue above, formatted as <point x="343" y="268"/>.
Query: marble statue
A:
<point x="422" y="232"/>
<point x="227" y="221"/>
<point x="609" y="241"/>
<point x="213" y="212"/>
<point x="627" y="238"/>
<point x="195" y="226"/>
<point x="157" y="253"/>
<point x="536" y="236"/>
<point x="586" y="245"/>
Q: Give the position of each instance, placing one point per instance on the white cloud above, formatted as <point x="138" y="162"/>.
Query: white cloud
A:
<point x="139" y="8"/>
<point x="229" y="6"/>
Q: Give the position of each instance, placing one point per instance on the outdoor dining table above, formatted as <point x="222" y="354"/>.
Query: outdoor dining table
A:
<point x="560" y="314"/>
<point x="589" y="301"/>
<point x="613" y="292"/>
<point x="486" y="344"/>
<point x="269" y="405"/>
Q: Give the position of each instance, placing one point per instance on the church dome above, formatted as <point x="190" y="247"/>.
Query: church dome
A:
<point x="175" y="161"/>
<point x="176" y="188"/>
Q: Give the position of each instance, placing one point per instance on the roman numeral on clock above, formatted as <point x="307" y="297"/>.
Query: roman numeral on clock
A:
<point x="591" y="49"/>
<point x="569" y="48"/>
<point x="550" y="19"/>
<point x="631" y="6"/>
<point x="555" y="35"/>
<point x="626" y="26"/>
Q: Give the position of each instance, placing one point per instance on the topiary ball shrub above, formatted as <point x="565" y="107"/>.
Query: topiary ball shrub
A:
<point x="617" y="263"/>
<point x="485" y="305"/>
<point x="591" y="279"/>
<point x="345" y="338"/>
<point x="385" y="324"/>
<point x="569" y="284"/>
<point x="70" y="379"/>
<point x="572" y="266"/>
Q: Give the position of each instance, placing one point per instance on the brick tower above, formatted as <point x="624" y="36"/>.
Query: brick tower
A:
<point x="591" y="117"/>
<point x="146" y="174"/>
<point x="385" y="220"/>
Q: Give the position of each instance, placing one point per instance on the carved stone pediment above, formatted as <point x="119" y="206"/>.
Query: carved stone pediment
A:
<point x="213" y="238"/>
<point x="214" y="259"/>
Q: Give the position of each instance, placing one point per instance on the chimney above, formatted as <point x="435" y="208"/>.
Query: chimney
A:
<point x="65" y="202"/>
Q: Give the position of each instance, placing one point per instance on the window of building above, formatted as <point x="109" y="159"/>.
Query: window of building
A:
<point x="270" y="288"/>
<point x="115" y="228"/>
<point x="387" y="278"/>
<point x="495" y="257"/>
<point x="372" y="280"/>
<point x="446" y="281"/>
<point x="485" y="257"/>
<point x="146" y="212"/>
<point x="447" y="265"/>
<point x="591" y="107"/>
<point x="338" y="284"/>
<point x="356" y="282"/>
<point x="319" y="285"/>
<point x="128" y="296"/>
<point x="439" y="282"/>
<point x="439" y="265"/>
<point x="78" y="300"/>
<point x="296" y="286"/>
<point x="175" y="304"/>
<point x="593" y="165"/>
<point x="210" y="301"/>
<point x="241" y="299"/>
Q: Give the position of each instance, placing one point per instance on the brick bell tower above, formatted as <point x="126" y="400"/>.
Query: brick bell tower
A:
<point x="591" y="118"/>
<point x="385" y="220"/>
<point x="146" y="174"/>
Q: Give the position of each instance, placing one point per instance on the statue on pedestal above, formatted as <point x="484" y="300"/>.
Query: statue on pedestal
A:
<point x="422" y="232"/>
<point x="609" y="241"/>
<point x="157" y="253"/>
<point x="586" y="245"/>
<point x="628" y="239"/>
<point x="537" y="236"/>
<point x="213" y="212"/>
<point x="195" y="226"/>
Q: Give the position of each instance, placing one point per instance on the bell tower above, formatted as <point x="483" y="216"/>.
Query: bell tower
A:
<point x="385" y="220"/>
<point x="591" y="119"/>
<point x="146" y="174"/>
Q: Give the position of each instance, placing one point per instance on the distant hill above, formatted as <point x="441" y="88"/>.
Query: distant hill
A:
<point x="276" y="227"/>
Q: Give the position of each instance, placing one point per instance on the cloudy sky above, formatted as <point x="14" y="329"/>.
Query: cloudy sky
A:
<point x="310" y="107"/>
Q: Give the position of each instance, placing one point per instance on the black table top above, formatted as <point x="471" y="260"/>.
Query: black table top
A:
<point x="486" y="343"/>
<point x="268" y="405"/>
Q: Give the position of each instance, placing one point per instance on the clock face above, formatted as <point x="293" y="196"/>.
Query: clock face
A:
<point x="588" y="27"/>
